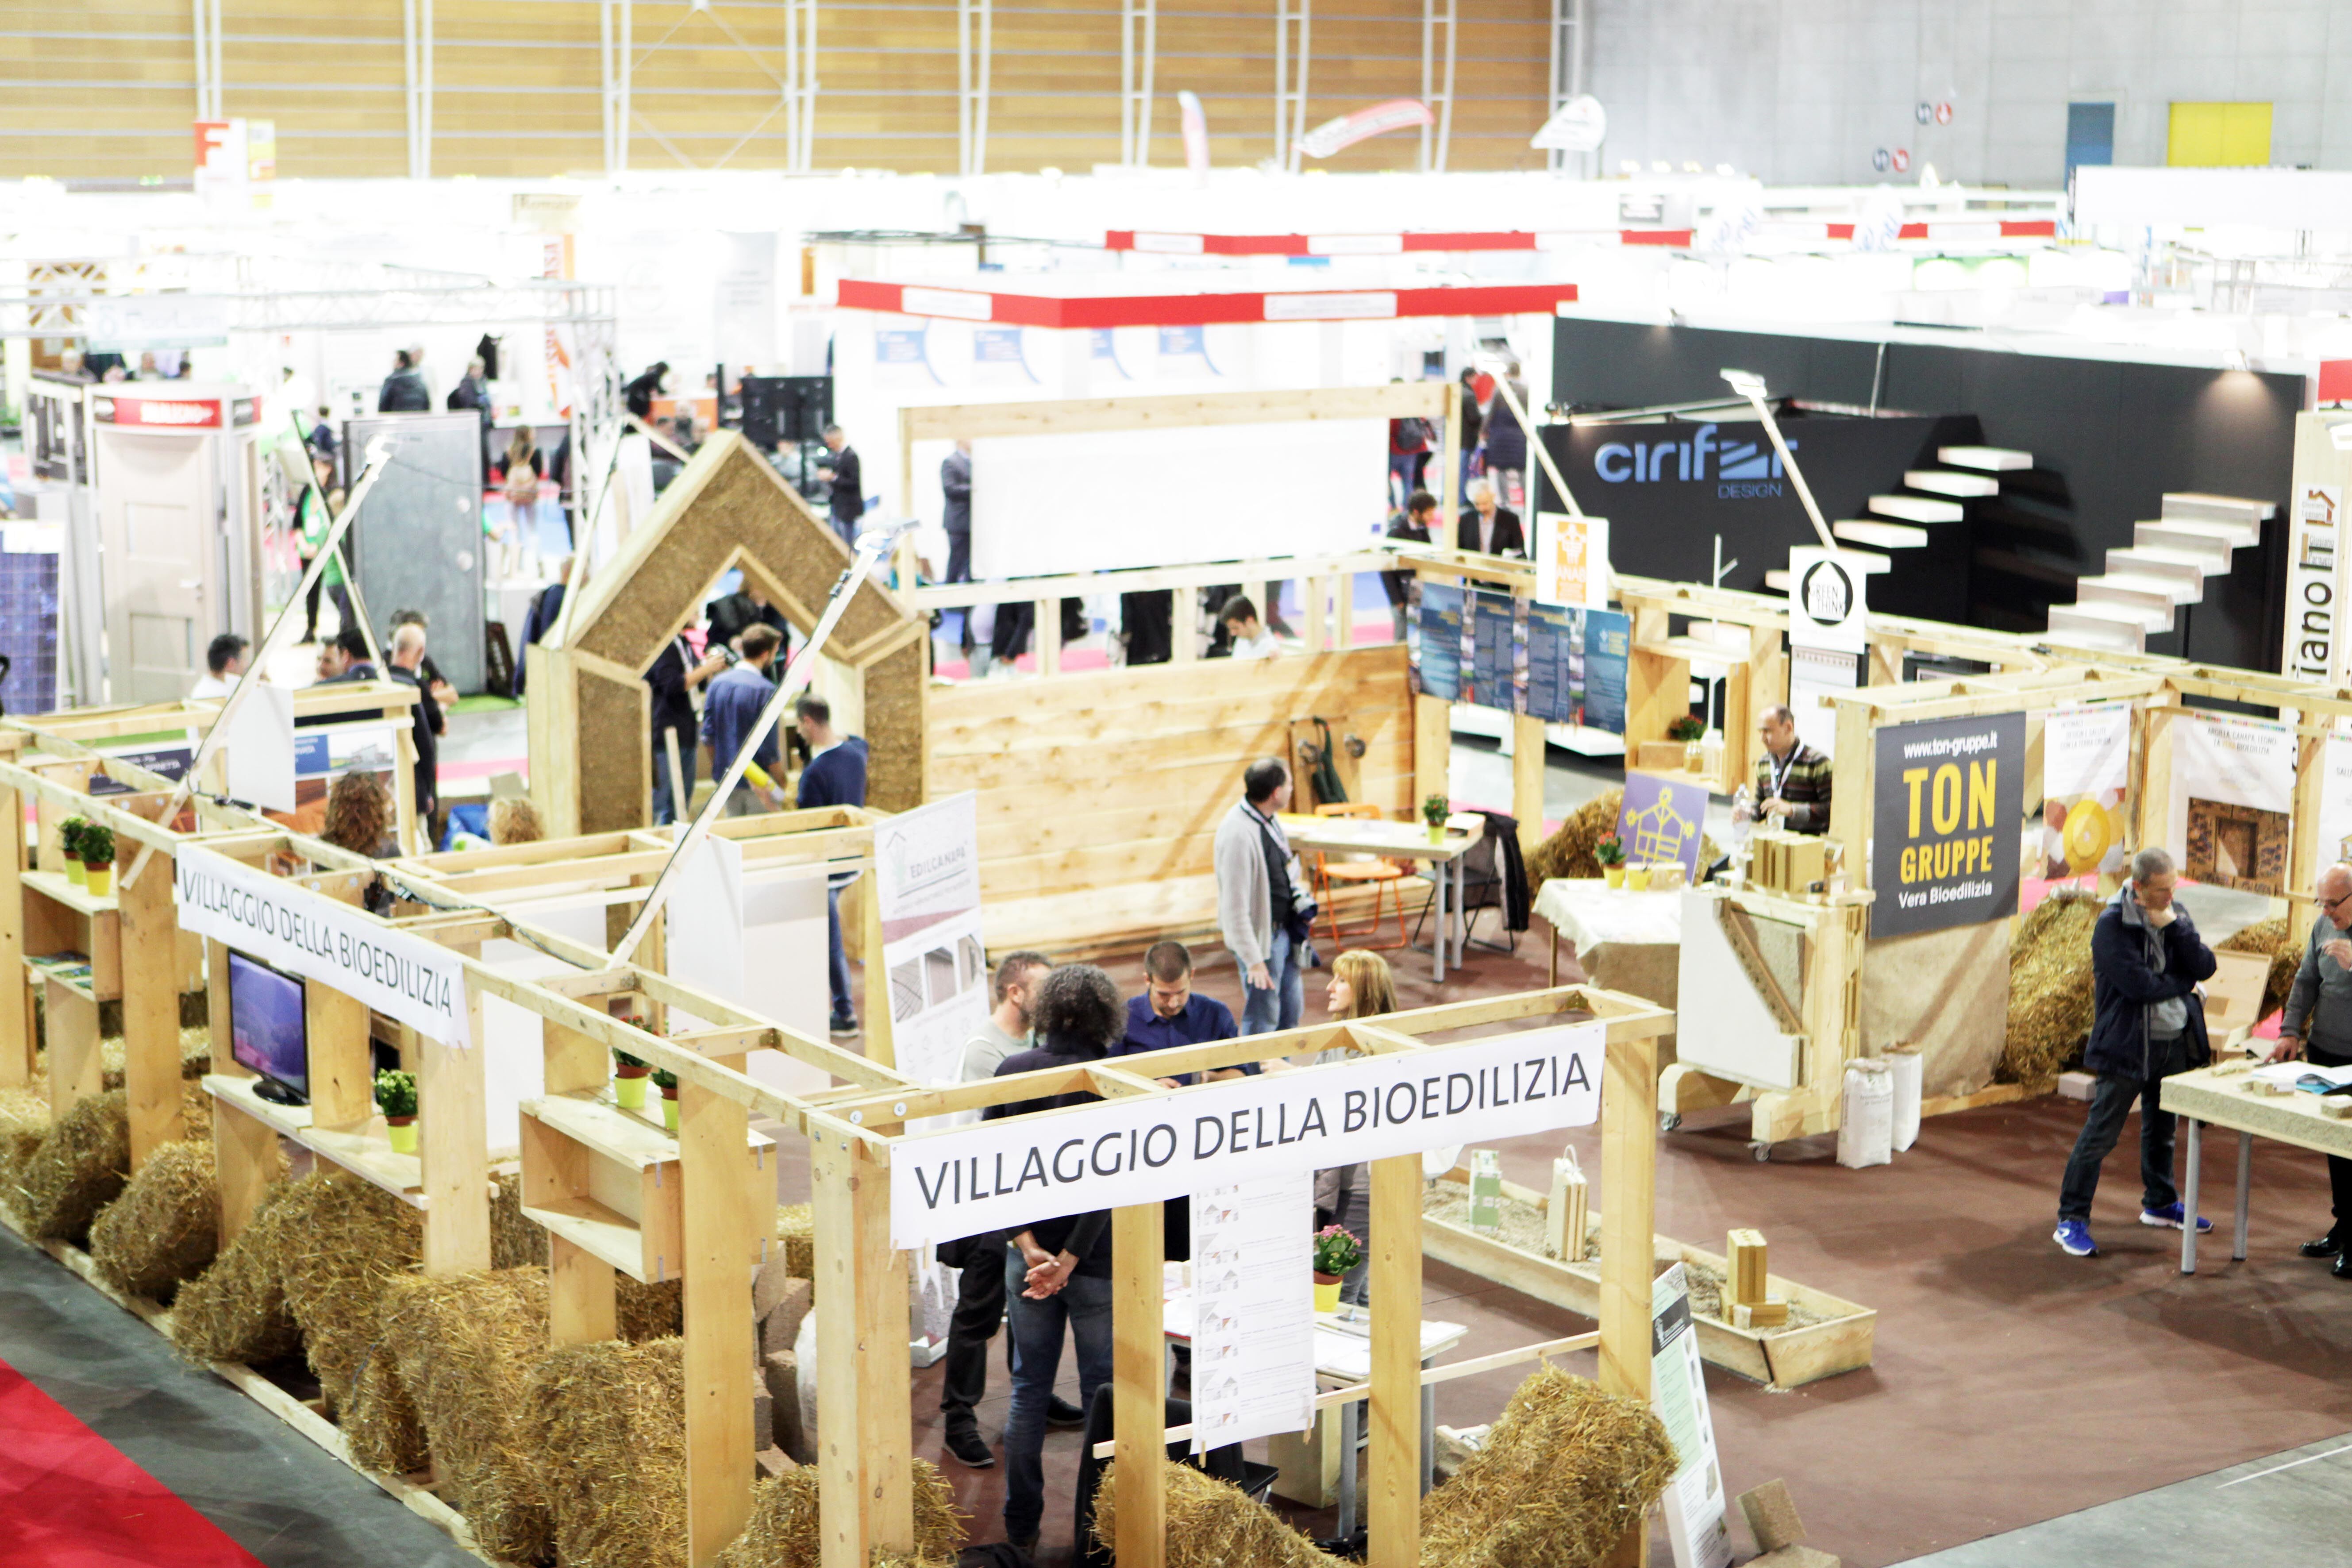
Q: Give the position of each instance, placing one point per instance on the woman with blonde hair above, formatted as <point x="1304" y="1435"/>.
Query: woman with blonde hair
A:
<point x="1361" y="987"/>
<point x="514" y="820"/>
<point x="360" y="811"/>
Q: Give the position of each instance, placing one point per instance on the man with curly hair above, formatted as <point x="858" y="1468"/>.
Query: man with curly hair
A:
<point x="1056" y="1271"/>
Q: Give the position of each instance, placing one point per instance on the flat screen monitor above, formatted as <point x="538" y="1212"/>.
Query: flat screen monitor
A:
<point x="267" y="1030"/>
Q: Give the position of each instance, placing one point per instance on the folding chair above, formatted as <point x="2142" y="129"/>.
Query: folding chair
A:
<point x="1383" y="876"/>
<point x="1481" y="886"/>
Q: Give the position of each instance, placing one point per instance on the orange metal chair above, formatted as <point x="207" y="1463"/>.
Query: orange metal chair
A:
<point x="1385" y="877"/>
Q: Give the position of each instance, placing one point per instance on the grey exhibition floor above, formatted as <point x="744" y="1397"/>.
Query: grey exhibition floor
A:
<point x="2284" y="1510"/>
<point x="273" y="1492"/>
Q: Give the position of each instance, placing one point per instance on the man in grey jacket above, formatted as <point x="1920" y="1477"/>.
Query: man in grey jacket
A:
<point x="1264" y="910"/>
<point x="2318" y="1026"/>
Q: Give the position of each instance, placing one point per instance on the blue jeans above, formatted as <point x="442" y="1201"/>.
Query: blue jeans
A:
<point x="837" y="959"/>
<point x="1262" y="1012"/>
<point x="1082" y="1306"/>
<point x="667" y="809"/>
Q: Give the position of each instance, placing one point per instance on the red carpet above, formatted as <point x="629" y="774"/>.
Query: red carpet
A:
<point x="68" y="1499"/>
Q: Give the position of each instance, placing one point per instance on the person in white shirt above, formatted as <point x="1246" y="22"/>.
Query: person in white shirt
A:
<point x="224" y="662"/>
<point x="1251" y="639"/>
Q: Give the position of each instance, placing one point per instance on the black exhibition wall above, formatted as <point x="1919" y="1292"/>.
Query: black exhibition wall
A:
<point x="2110" y="437"/>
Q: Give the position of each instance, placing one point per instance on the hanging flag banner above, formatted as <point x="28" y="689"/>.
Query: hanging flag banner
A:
<point x="2232" y="791"/>
<point x="2085" y="758"/>
<point x="1347" y="130"/>
<point x="1573" y="561"/>
<point x="1945" y="812"/>
<point x="287" y="926"/>
<point x="1012" y="1173"/>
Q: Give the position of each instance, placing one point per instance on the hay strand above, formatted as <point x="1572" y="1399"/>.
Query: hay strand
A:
<point x="24" y="1122"/>
<point x="235" y="1310"/>
<point x="353" y="1239"/>
<point x="515" y="1242"/>
<point x="608" y="1421"/>
<point x="1213" y="1524"/>
<point x="1565" y="1473"/>
<point x="165" y="1230"/>
<point x="2050" y="994"/>
<point x="784" y="1528"/>
<point x="78" y="1169"/>
<point x="463" y="1348"/>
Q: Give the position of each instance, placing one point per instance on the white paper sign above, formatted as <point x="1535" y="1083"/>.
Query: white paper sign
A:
<point x="2233" y="794"/>
<point x="2336" y="800"/>
<point x="928" y="866"/>
<point x="929" y="861"/>
<point x="1253" y="1310"/>
<point x="399" y="974"/>
<point x="1814" y="673"/>
<point x="1694" y="1503"/>
<point x="1573" y="561"/>
<point x="260" y="746"/>
<point x="1011" y="1174"/>
<point x="1825" y="600"/>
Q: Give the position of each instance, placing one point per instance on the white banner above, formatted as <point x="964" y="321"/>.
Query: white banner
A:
<point x="1253" y="1310"/>
<point x="2335" y="800"/>
<point x="1826" y="600"/>
<point x="1008" y="1174"/>
<point x="929" y="861"/>
<point x="2232" y="791"/>
<point x="401" y="975"/>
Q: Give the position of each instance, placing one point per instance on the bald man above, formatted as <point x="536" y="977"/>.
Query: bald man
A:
<point x="1793" y="780"/>
<point x="2318" y="1025"/>
<point x="406" y="660"/>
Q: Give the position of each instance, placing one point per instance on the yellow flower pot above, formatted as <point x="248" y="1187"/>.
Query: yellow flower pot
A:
<point x="402" y="1134"/>
<point x="629" y="1089"/>
<point x="74" y="872"/>
<point x="670" y="1112"/>
<point x="1326" y="1297"/>
<point x="1616" y="874"/>
<point x="1637" y="878"/>
<point x="100" y="880"/>
<point x="1437" y="833"/>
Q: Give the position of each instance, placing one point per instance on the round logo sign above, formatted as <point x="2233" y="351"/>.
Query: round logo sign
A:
<point x="1827" y="592"/>
<point x="1902" y="159"/>
<point x="1943" y="115"/>
<point x="1924" y="112"/>
<point x="1878" y="160"/>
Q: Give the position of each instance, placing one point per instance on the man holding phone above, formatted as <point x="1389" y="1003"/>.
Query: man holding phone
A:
<point x="2318" y="1028"/>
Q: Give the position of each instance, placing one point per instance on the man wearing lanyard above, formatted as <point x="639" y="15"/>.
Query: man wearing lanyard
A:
<point x="1793" y="780"/>
<point x="1262" y="908"/>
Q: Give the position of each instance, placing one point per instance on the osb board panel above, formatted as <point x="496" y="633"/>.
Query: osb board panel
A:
<point x="1946" y="992"/>
<point x="894" y="728"/>
<point x="728" y="500"/>
<point x="615" y="763"/>
<point x="1042" y="754"/>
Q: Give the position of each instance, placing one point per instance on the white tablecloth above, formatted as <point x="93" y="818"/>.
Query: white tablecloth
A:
<point x="1589" y="912"/>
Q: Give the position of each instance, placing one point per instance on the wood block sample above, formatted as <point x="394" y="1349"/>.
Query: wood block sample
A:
<point x="1744" y="1252"/>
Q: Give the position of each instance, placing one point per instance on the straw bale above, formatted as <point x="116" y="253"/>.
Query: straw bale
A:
<point x="796" y="1230"/>
<point x="1568" y="851"/>
<point x="24" y="1122"/>
<point x="1565" y="1473"/>
<point x="78" y="1169"/>
<point x="1213" y="1524"/>
<point x="235" y="1310"/>
<point x="165" y="1227"/>
<point x="463" y="1348"/>
<point x="515" y="1241"/>
<point x="608" y="1422"/>
<point x="2286" y="950"/>
<point x="783" y="1532"/>
<point x="355" y="1239"/>
<point x="645" y="1312"/>
<point x="2050" y="996"/>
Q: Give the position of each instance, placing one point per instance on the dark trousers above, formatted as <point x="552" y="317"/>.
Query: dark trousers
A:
<point x="1079" y="1311"/>
<point x="837" y="958"/>
<point x="1011" y="640"/>
<point x="980" y="1308"/>
<point x="2111" y="1102"/>
<point x="1148" y="619"/>
<point x="2339" y="1169"/>
<point x="960" y="556"/>
<point x="668" y="809"/>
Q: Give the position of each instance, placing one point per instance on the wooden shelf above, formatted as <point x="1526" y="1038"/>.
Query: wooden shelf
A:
<point x="604" y="1233"/>
<point x="366" y="1153"/>
<point x="609" y="1182"/>
<point x="57" y="886"/>
<point x="40" y="970"/>
<point x="634" y="1138"/>
<point x="1695" y="650"/>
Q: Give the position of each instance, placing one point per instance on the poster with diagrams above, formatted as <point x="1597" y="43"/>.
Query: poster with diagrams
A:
<point x="1253" y="1310"/>
<point x="1694" y="1505"/>
<point x="928" y="866"/>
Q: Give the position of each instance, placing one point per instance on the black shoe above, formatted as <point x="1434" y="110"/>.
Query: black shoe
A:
<point x="965" y="1446"/>
<point x="842" y="1027"/>
<point x="1061" y="1415"/>
<point x="2322" y="1247"/>
<point x="1024" y="1544"/>
<point x="2342" y="1267"/>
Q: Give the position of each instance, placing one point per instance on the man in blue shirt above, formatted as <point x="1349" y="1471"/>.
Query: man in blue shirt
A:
<point x="1167" y="1014"/>
<point x="734" y="708"/>
<point x="835" y="775"/>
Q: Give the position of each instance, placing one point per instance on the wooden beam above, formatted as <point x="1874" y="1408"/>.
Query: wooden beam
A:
<point x="879" y="1047"/>
<point x="1178" y="411"/>
<point x="1432" y="749"/>
<point x="15" y="1017"/>
<point x="719" y="1238"/>
<point x="1528" y="779"/>
<point x="1629" y="1175"/>
<point x="453" y="1141"/>
<point x="1392" y="1477"/>
<point x="582" y="1296"/>
<point x="866" y="1455"/>
<point x="1139" y="1396"/>
<point x="150" y="1015"/>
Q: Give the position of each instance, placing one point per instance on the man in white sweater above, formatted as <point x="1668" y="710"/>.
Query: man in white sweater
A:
<point x="1264" y="910"/>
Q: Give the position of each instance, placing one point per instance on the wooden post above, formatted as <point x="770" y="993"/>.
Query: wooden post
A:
<point x="582" y="1302"/>
<point x="75" y="1072"/>
<point x="1850" y="801"/>
<point x="879" y="1046"/>
<point x="1313" y="590"/>
<point x="2152" y="813"/>
<point x="2306" y="853"/>
<point x="1048" y="630"/>
<point x="16" y="1020"/>
<point x="1449" y="462"/>
<point x="245" y="1155"/>
<point x="1139" y="1394"/>
<point x="216" y="1008"/>
<point x="1392" y="1478"/>
<point x="150" y="1015"/>
<point x="720" y="1347"/>
<point x="1629" y="1177"/>
<point x="1432" y="750"/>
<point x="453" y="1141"/>
<point x="342" y="1080"/>
<point x="866" y="1455"/>
<point x="1528" y="779"/>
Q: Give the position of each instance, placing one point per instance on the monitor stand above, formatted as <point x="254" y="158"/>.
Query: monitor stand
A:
<point x="277" y="1093"/>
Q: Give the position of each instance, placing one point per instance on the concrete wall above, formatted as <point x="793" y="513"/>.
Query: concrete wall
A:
<point x="1804" y="91"/>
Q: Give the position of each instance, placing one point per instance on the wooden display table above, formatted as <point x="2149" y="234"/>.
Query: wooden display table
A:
<point x="2224" y="1096"/>
<point x="1399" y="841"/>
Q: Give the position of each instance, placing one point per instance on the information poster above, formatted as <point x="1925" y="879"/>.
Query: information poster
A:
<point x="1573" y="561"/>
<point x="2336" y="800"/>
<point x="2086" y="756"/>
<point x="928" y="861"/>
<point x="2232" y="791"/>
<point x="322" y="756"/>
<point x="1491" y="646"/>
<point x="1661" y="822"/>
<point x="1253" y="1310"/>
<point x="1694" y="1503"/>
<point x="1949" y="797"/>
<point x="1815" y="674"/>
<point x="1576" y="663"/>
<point x="1438" y="664"/>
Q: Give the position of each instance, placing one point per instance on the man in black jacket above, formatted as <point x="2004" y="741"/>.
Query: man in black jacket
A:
<point x="2148" y="1024"/>
<point x="955" y="483"/>
<point x="405" y="659"/>
<point x="847" y="503"/>
<point x="1487" y="528"/>
<point x="473" y="391"/>
<point x="1420" y="512"/>
<point x="674" y="675"/>
<point x="404" y="391"/>
<point x="1056" y="1271"/>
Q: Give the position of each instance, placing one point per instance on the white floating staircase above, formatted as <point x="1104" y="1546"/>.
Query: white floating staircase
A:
<point x="2165" y="567"/>
<point x="1903" y="521"/>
